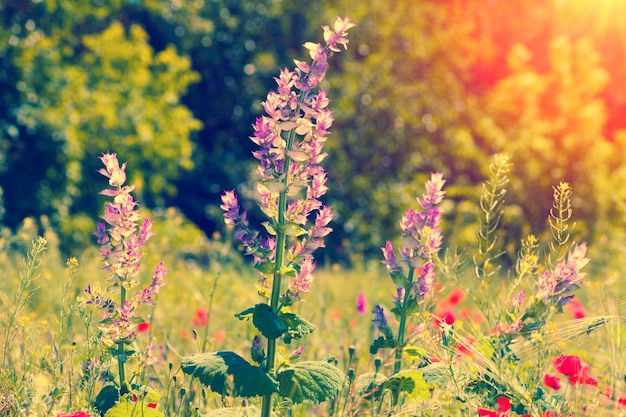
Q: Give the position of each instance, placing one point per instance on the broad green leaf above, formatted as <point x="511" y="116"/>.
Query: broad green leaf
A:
<point x="228" y="374"/>
<point x="297" y="327"/>
<point x="311" y="382"/>
<point x="268" y="322"/>
<point x="369" y="384"/>
<point x="106" y="398"/>
<point x="411" y="382"/>
<point x="133" y="409"/>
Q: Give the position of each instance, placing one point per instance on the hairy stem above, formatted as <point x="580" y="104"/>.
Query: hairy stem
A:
<point x="280" y="255"/>
<point x="121" y="354"/>
<point x="402" y="327"/>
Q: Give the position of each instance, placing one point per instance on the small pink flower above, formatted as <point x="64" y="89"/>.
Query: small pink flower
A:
<point x="361" y="303"/>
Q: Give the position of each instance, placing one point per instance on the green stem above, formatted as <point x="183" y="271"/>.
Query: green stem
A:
<point x="276" y="282"/>
<point x="121" y="355"/>
<point x="402" y="328"/>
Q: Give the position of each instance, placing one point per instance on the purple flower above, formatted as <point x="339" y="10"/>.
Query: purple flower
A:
<point x="380" y="322"/>
<point x="290" y="137"/>
<point x="390" y="258"/>
<point x="559" y="284"/>
<point x="422" y="240"/>
<point x="121" y="237"/>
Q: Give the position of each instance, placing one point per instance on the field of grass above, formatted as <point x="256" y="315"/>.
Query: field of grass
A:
<point x="48" y="331"/>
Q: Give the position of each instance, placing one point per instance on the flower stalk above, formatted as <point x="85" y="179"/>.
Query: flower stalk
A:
<point x="291" y="181"/>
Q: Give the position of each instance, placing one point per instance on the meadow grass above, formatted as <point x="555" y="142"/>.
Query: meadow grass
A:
<point x="467" y="333"/>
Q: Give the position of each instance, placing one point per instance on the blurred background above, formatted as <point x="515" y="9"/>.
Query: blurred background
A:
<point x="173" y="86"/>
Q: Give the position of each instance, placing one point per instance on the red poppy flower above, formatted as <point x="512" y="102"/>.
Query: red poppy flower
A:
<point x="143" y="327"/>
<point x="456" y="296"/>
<point x="504" y="406"/>
<point x="552" y="381"/>
<point x="201" y="317"/>
<point x="568" y="365"/>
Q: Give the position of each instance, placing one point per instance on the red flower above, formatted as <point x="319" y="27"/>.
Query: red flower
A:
<point x="621" y="402"/>
<point x="583" y="378"/>
<point x="573" y="368"/>
<point x="75" y="414"/>
<point x="504" y="405"/>
<point x="201" y="317"/>
<point x="143" y="327"/>
<point x="456" y="296"/>
<point x="568" y="365"/>
<point x="552" y="381"/>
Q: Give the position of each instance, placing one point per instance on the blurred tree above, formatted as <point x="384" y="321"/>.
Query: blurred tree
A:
<point x="83" y="94"/>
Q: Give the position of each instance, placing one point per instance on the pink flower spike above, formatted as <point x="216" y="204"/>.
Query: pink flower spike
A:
<point x="113" y="171"/>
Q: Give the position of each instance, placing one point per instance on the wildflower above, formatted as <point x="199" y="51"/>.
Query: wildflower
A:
<point x="200" y="317"/>
<point x="360" y="303"/>
<point x="290" y="137"/>
<point x="143" y="327"/>
<point x="574" y="369"/>
<point x="456" y="296"/>
<point x="576" y="308"/>
<point x="621" y="402"/>
<point x="422" y="239"/>
<point x="380" y="321"/>
<point x="504" y="406"/>
<point x="557" y="285"/>
<point x="121" y="236"/>
<point x="74" y="414"/>
<point x="552" y="381"/>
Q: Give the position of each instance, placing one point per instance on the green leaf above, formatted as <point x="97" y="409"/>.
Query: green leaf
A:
<point x="414" y="353"/>
<point x="436" y="373"/>
<point x="297" y="327"/>
<point x="266" y="268"/>
<point x="298" y="156"/>
<point x="268" y="322"/>
<point x="382" y="343"/>
<point x="133" y="409"/>
<point x="106" y="398"/>
<point x="228" y="374"/>
<point x="292" y="229"/>
<point x="411" y="382"/>
<point x="269" y="227"/>
<point x="311" y="381"/>
<point x="369" y="384"/>
<point x="246" y="314"/>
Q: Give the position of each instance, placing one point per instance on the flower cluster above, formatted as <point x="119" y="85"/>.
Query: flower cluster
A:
<point x="290" y="139"/>
<point x="557" y="286"/>
<point x="422" y="240"/>
<point x="121" y="238"/>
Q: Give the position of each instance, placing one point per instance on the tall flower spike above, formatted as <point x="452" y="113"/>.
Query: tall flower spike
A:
<point x="290" y="137"/>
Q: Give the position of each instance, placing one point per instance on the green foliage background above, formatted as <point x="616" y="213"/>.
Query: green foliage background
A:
<point x="172" y="86"/>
